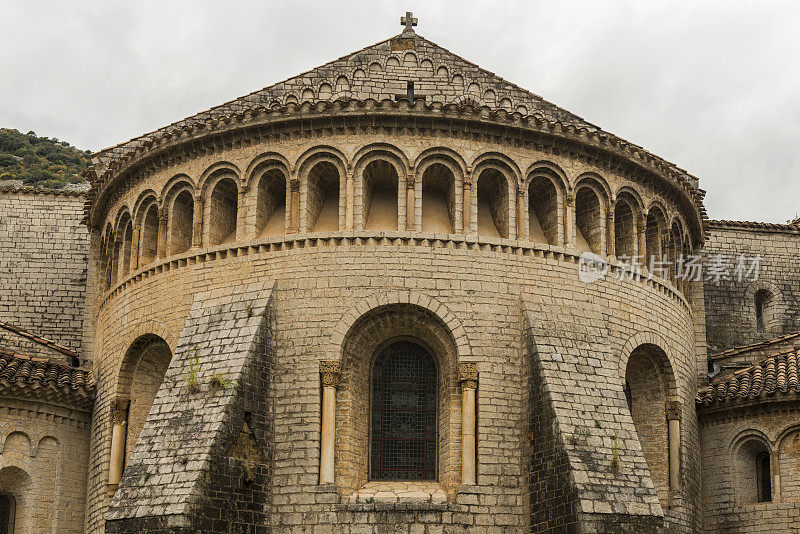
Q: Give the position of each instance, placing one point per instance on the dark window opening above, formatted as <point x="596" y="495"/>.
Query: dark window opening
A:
<point x="763" y="477"/>
<point x="403" y="437"/>
<point x="8" y="512"/>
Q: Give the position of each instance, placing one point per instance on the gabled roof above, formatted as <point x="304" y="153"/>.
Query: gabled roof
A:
<point x="44" y="380"/>
<point x="377" y="78"/>
<point x="370" y="73"/>
<point x="792" y="227"/>
<point x="772" y="377"/>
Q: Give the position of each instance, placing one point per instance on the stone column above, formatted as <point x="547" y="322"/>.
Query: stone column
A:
<point x="674" y="438"/>
<point x="197" y="230"/>
<point x="242" y="209"/>
<point x="641" y="249"/>
<point x="349" y="214"/>
<point x="119" y="429"/>
<point x="468" y="379"/>
<point x="329" y="371"/>
<point x="569" y="239"/>
<point x="294" y="206"/>
<point x="776" y="477"/>
<point x="136" y="235"/>
<point x="161" y="243"/>
<point x="466" y="202"/>
<point x="410" y="202"/>
<point x="520" y="214"/>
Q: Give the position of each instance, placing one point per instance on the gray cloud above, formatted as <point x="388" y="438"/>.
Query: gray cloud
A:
<point x="709" y="85"/>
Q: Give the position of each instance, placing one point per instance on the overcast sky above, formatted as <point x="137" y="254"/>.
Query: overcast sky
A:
<point x="713" y="86"/>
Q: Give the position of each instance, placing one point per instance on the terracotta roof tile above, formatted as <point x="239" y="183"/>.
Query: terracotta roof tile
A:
<point x="42" y="379"/>
<point x="776" y="374"/>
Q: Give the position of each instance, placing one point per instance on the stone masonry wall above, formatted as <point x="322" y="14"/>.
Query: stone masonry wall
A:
<point x="730" y="305"/>
<point x="200" y="463"/>
<point x="43" y="258"/>
<point x="774" y="426"/>
<point x="322" y="282"/>
<point x="44" y="457"/>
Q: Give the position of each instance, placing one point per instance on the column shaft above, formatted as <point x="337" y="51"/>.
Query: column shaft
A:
<point x="410" y="205"/>
<point x="326" y="472"/>
<point x="468" y="378"/>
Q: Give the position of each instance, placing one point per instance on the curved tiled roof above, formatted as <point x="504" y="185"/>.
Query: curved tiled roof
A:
<point x="41" y="379"/>
<point x="775" y="375"/>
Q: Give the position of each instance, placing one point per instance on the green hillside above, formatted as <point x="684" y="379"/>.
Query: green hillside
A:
<point x="40" y="161"/>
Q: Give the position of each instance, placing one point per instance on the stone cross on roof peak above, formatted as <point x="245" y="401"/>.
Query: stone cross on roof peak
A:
<point x="409" y="22"/>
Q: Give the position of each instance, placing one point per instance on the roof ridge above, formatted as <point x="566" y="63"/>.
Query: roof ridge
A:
<point x="794" y="225"/>
<point x="38" y="339"/>
<point x="746" y="348"/>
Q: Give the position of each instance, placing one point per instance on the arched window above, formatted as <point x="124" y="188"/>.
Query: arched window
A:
<point x="762" y="301"/>
<point x="148" y="249"/>
<point x="752" y="477"/>
<point x="403" y="428"/>
<point x="8" y="512"/>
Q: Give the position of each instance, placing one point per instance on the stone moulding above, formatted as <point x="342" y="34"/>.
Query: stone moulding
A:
<point x="357" y="238"/>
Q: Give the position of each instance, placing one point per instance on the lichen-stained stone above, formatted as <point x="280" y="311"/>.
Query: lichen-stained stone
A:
<point x="201" y="461"/>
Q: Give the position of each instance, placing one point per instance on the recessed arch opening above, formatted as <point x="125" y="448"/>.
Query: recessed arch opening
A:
<point x="379" y="199"/>
<point x="322" y="198"/>
<point x="543" y="207"/>
<point x="438" y="199"/>
<point x="181" y="222"/>
<point x="223" y="212"/>
<point x="588" y="221"/>
<point x="493" y="212"/>
<point x="271" y="203"/>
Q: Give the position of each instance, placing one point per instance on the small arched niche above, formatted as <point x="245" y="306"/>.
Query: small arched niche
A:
<point x="763" y="301"/>
<point x="625" y="231"/>
<point x="16" y="500"/>
<point x="752" y="471"/>
<point x="322" y="198"/>
<point x="438" y="199"/>
<point x="649" y="383"/>
<point x="143" y="368"/>
<point x="223" y="212"/>
<point x="148" y="237"/>
<point x="271" y="203"/>
<point x="543" y="210"/>
<point x="380" y="196"/>
<point x="126" y="230"/>
<point x="493" y="213"/>
<point x="588" y="221"/>
<point x="654" y="228"/>
<point x="181" y="222"/>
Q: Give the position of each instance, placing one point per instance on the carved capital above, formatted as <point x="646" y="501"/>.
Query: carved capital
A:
<point x="467" y="180"/>
<point x="119" y="410"/>
<point x="294" y="185"/>
<point x="674" y="410"/>
<point x="330" y="371"/>
<point x="468" y="375"/>
<point x="410" y="181"/>
<point x="570" y="199"/>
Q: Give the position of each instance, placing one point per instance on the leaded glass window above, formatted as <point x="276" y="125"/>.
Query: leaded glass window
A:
<point x="403" y="414"/>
